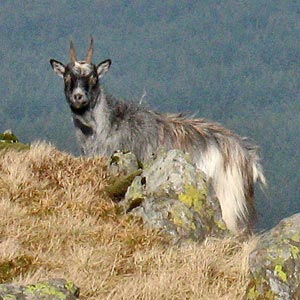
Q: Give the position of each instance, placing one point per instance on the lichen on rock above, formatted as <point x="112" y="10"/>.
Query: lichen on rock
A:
<point x="53" y="289"/>
<point x="171" y="194"/>
<point x="124" y="167"/>
<point x="123" y="163"/>
<point x="275" y="263"/>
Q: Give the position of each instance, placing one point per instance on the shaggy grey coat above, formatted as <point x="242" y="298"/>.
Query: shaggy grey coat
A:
<point x="104" y="124"/>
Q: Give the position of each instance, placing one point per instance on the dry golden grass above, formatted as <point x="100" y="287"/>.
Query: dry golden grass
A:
<point x="55" y="221"/>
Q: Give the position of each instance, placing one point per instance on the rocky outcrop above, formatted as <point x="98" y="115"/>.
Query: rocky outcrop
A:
<point x="54" y="289"/>
<point x="9" y="141"/>
<point x="275" y="263"/>
<point x="172" y="195"/>
<point x="123" y="163"/>
<point x="124" y="167"/>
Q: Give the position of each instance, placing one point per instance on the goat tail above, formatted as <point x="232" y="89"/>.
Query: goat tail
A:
<point x="233" y="178"/>
<point x="258" y="174"/>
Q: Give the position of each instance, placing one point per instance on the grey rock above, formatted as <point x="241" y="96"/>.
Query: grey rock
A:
<point x="53" y="289"/>
<point x="123" y="163"/>
<point x="124" y="167"/>
<point x="275" y="263"/>
<point x="174" y="196"/>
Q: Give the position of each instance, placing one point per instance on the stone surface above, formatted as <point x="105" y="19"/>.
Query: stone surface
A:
<point x="275" y="263"/>
<point x="123" y="163"/>
<point x="53" y="289"/>
<point x="124" y="167"/>
<point x="172" y="195"/>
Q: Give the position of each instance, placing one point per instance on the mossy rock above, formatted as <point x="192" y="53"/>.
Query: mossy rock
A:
<point x="118" y="186"/>
<point x="171" y="194"/>
<point x="8" y="136"/>
<point x="53" y="289"/>
<point x="275" y="263"/>
<point x="124" y="167"/>
<point x="123" y="163"/>
<point x="8" y="141"/>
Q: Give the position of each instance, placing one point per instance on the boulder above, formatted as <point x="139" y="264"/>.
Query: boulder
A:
<point x="123" y="163"/>
<point x="124" y="167"/>
<point x="275" y="263"/>
<point x="174" y="196"/>
<point x="53" y="289"/>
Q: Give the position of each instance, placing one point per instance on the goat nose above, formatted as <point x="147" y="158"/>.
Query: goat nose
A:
<point x="78" y="97"/>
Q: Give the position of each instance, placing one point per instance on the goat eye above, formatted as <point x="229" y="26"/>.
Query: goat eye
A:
<point x="68" y="78"/>
<point x="93" y="80"/>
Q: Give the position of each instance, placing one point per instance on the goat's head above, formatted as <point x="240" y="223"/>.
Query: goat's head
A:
<point x="81" y="78"/>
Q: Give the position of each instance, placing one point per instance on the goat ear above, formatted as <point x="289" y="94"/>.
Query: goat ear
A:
<point x="58" y="67"/>
<point x="103" y="67"/>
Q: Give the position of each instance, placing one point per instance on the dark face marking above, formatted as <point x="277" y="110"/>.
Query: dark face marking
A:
<point x="81" y="81"/>
<point x="81" y="86"/>
<point x="86" y="130"/>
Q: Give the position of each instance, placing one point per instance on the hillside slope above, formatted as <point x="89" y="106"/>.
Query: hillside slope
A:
<point x="56" y="221"/>
<point x="230" y="61"/>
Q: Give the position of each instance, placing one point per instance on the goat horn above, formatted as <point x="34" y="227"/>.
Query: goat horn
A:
<point x="72" y="53"/>
<point x="90" y="52"/>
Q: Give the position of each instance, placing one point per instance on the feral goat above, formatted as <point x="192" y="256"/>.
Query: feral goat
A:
<point x="104" y="124"/>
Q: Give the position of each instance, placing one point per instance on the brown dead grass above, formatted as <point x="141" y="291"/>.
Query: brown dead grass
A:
<point x="56" y="221"/>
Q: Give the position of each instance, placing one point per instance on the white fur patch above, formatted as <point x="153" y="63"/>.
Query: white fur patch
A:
<point x="78" y="90"/>
<point x="82" y="68"/>
<point x="228" y="184"/>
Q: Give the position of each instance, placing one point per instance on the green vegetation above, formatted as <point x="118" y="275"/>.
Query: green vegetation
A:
<point x="235" y="62"/>
<point x="119" y="185"/>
